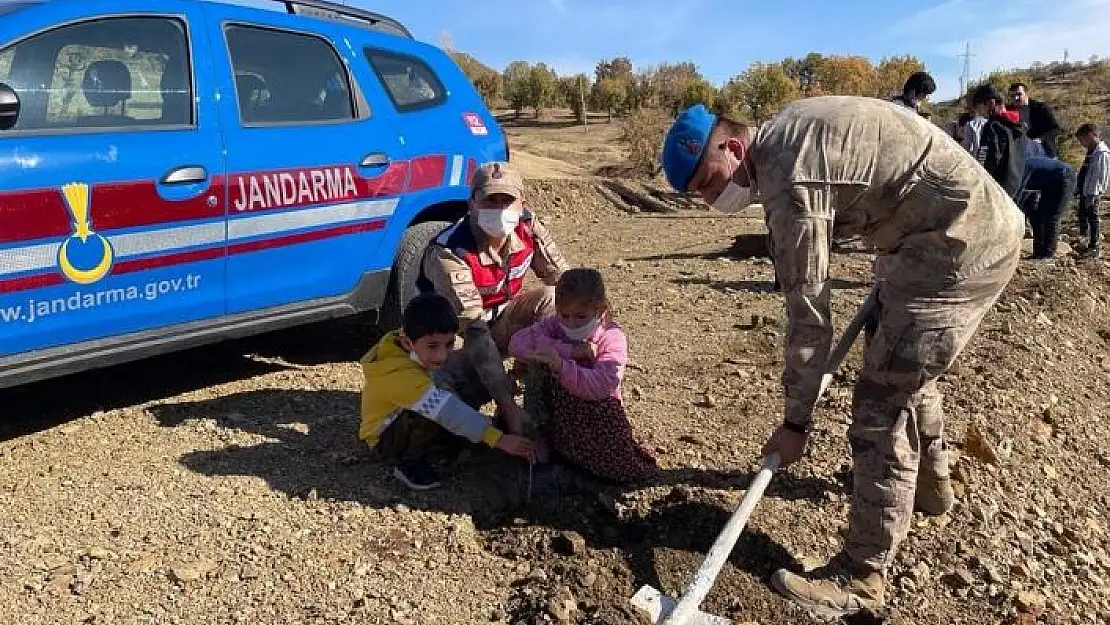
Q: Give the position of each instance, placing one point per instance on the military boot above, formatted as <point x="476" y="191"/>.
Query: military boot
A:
<point x="830" y="592"/>
<point x="934" y="495"/>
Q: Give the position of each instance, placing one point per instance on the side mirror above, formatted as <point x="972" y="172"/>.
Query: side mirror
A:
<point x="9" y="107"/>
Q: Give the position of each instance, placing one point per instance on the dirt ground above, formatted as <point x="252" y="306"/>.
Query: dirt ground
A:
<point x="226" y="484"/>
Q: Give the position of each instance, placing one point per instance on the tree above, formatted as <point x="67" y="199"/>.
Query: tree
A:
<point x="541" y="85"/>
<point x="892" y="72"/>
<point x="699" y="91"/>
<point x="611" y="94"/>
<point x="641" y="92"/>
<point x="489" y="86"/>
<point x="804" y="72"/>
<point x="619" y="68"/>
<point x="846" y="75"/>
<point x="570" y="92"/>
<point x="761" y="90"/>
<point x="671" y="80"/>
<point x="516" y="85"/>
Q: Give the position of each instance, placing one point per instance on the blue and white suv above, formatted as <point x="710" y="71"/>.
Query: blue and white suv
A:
<point x="178" y="172"/>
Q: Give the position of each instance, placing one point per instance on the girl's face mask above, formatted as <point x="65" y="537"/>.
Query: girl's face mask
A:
<point x="582" y="332"/>
<point x="579" y="320"/>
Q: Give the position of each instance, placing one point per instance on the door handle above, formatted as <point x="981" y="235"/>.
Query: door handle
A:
<point x="188" y="174"/>
<point x="375" y="159"/>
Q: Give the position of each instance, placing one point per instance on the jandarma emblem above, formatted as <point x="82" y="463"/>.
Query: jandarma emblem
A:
<point x="85" y="256"/>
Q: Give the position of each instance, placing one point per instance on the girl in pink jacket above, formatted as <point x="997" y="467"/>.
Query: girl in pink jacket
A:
<point x="583" y="354"/>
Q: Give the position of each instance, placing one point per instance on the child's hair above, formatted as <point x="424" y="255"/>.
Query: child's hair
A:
<point x="581" y="285"/>
<point x="429" y="313"/>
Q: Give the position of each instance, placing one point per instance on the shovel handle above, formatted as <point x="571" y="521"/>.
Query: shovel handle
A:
<point x="706" y="575"/>
<point x="702" y="581"/>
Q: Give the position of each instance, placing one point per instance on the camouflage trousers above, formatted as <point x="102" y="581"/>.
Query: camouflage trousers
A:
<point x="898" y="422"/>
<point x="461" y="375"/>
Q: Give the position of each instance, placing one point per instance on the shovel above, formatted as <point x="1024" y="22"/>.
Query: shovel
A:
<point x="666" y="611"/>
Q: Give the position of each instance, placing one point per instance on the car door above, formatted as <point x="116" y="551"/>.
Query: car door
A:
<point x="111" y="182"/>
<point x="314" y="176"/>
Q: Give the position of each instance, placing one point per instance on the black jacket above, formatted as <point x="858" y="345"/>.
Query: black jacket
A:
<point x="1039" y="120"/>
<point x="1001" y="153"/>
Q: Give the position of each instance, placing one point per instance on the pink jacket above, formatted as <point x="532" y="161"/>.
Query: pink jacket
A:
<point x="589" y="380"/>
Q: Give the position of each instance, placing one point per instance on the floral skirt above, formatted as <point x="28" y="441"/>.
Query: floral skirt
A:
<point x="594" y="435"/>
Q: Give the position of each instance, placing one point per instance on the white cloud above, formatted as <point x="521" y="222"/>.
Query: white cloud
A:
<point x="1007" y="35"/>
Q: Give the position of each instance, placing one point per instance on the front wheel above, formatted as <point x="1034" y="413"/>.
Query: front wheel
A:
<point x="406" y="269"/>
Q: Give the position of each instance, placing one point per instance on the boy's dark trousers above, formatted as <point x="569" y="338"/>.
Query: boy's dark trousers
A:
<point x="1088" y="220"/>
<point x="412" y="437"/>
<point x="1045" y="207"/>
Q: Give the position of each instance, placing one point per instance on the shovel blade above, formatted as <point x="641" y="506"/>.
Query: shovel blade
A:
<point x="659" y="606"/>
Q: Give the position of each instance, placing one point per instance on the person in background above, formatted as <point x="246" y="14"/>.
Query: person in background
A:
<point x="1044" y="194"/>
<point x="1036" y="116"/>
<point x="1094" y="179"/>
<point x="919" y="86"/>
<point x="998" y="144"/>
<point x="960" y="131"/>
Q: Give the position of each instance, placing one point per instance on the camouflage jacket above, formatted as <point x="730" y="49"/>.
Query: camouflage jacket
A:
<point x="878" y="170"/>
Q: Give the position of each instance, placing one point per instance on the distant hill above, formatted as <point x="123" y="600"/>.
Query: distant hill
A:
<point x="1077" y="93"/>
<point x="471" y="66"/>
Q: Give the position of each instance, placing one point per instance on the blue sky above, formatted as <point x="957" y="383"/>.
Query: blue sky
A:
<point x="724" y="36"/>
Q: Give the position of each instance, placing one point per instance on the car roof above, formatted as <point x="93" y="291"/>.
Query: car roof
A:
<point x="309" y="9"/>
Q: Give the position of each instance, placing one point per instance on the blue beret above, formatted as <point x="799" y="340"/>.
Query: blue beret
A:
<point x="685" y="143"/>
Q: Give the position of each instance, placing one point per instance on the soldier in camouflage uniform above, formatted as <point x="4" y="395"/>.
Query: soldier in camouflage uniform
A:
<point x="479" y="264"/>
<point x="948" y="239"/>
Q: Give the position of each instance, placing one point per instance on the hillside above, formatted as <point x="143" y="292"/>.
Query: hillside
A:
<point x="1077" y="92"/>
<point x="471" y="66"/>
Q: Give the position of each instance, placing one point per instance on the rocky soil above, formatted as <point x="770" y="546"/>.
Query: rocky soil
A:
<point x="225" y="485"/>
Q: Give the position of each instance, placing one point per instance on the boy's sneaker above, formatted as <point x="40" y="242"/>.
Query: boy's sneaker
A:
<point x="417" y="475"/>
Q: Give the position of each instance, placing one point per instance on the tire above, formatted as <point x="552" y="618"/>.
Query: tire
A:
<point x="406" y="269"/>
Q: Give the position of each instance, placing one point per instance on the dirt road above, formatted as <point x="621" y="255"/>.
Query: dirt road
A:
<point x="226" y="485"/>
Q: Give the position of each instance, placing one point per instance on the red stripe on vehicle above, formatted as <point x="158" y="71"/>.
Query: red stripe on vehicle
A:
<point x="156" y="262"/>
<point x="34" y="214"/>
<point x="133" y="205"/>
<point x="390" y="183"/>
<point x="427" y="172"/>
<point x="37" y="281"/>
<point x="305" y="237"/>
<point x="310" y="186"/>
<point x="471" y="169"/>
<point x="42" y="213"/>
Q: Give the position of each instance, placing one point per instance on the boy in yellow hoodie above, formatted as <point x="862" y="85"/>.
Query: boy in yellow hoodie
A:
<point x="404" y="415"/>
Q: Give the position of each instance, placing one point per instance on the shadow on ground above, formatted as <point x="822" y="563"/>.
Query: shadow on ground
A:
<point x="42" y="405"/>
<point x="312" y="452"/>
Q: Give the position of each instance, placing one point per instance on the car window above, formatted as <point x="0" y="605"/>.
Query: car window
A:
<point x="6" y="63"/>
<point x="117" y="72"/>
<point x="285" y="78"/>
<point x="411" y="84"/>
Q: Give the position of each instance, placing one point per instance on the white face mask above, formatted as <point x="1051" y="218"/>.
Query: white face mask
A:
<point x="497" y="223"/>
<point x="582" y="332"/>
<point x="734" y="198"/>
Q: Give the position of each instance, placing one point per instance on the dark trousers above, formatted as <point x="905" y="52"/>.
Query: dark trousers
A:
<point x="1088" y="220"/>
<point x="1044" y="207"/>
<point x="1048" y="142"/>
<point x="412" y="437"/>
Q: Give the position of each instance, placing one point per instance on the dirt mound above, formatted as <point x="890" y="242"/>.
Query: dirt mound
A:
<point x="597" y="196"/>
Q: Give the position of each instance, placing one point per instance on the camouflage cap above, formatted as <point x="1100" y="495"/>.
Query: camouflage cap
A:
<point x="496" y="177"/>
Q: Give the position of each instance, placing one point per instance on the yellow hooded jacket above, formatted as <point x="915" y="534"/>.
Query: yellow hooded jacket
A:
<point x="393" y="382"/>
